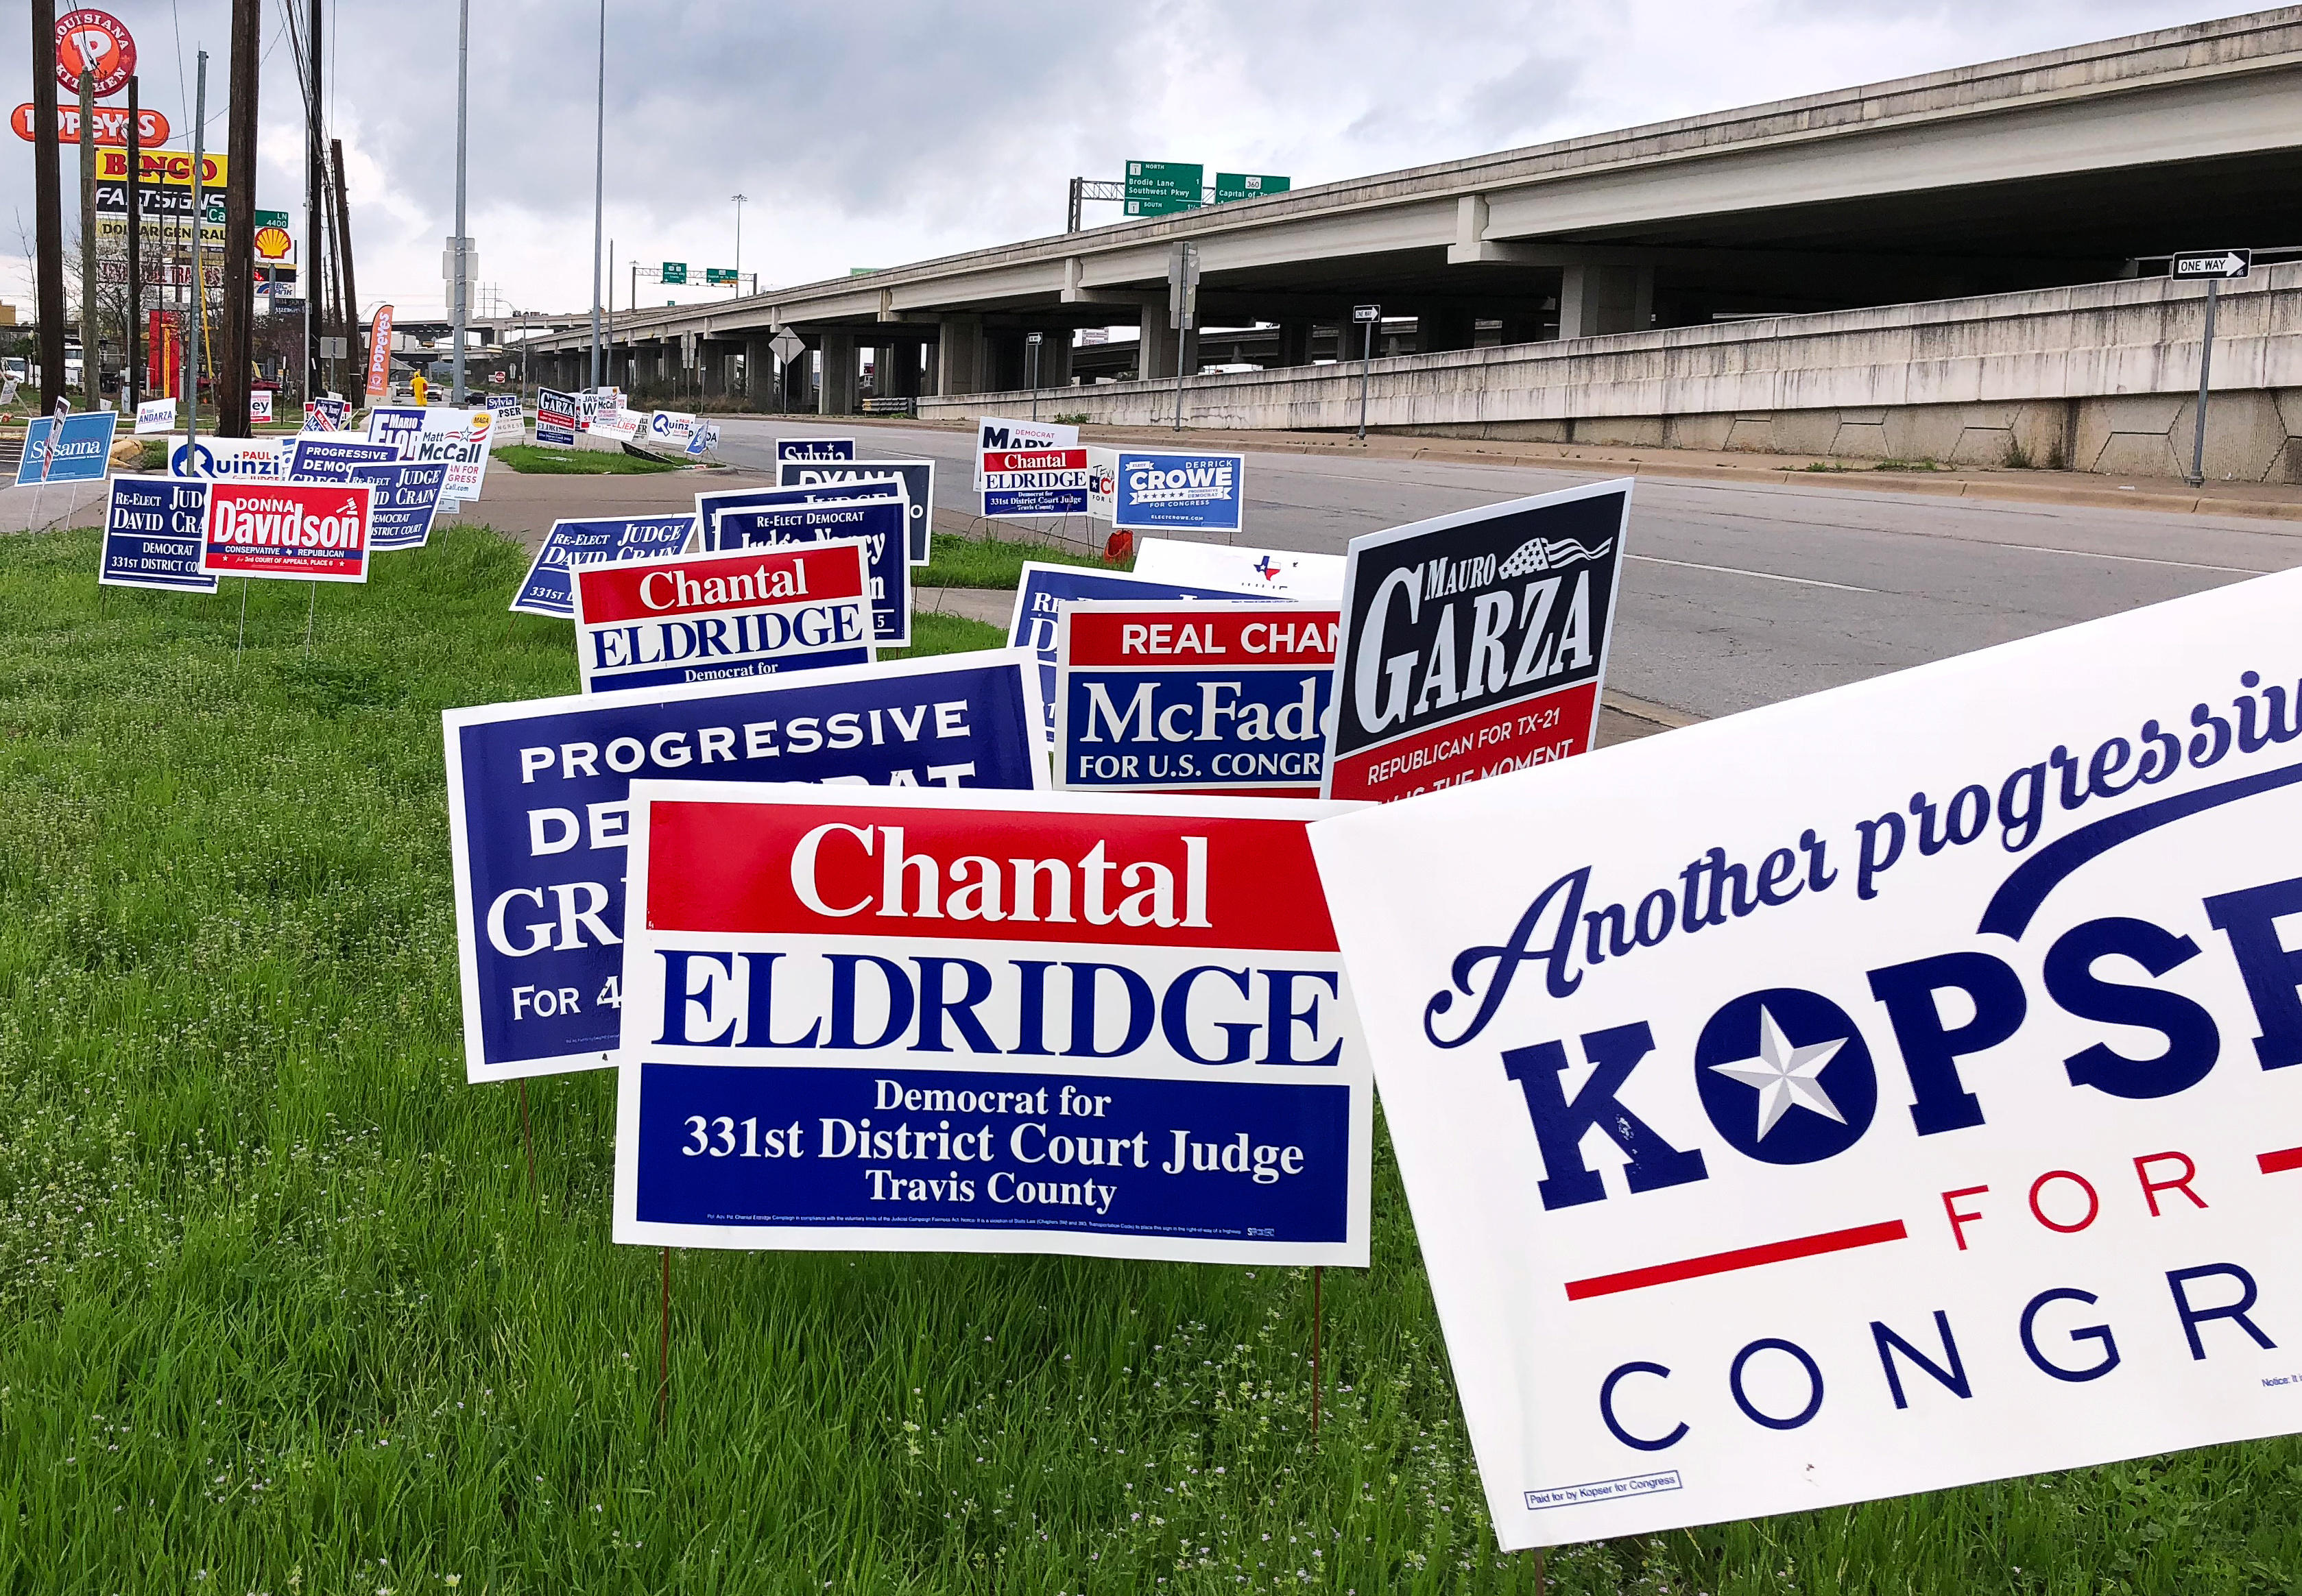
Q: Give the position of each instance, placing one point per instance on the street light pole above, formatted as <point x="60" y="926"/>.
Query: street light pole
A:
<point x="739" y="246"/>
<point x="463" y="251"/>
<point x="599" y="185"/>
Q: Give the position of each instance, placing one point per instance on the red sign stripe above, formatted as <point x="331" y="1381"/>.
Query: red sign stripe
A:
<point x="2280" y="1161"/>
<point x="1742" y="1257"/>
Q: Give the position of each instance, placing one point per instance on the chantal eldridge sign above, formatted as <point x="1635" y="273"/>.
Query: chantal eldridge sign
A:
<point x="1889" y="1090"/>
<point x="711" y="618"/>
<point x="1112" y="1027"/>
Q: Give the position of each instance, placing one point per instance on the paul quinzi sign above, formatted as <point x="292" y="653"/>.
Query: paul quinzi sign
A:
<point x="986" y="1023"/>
<point x="710" y="618"/>
<point x="1889" y="1090"/>
<point x="1476" y="643"/>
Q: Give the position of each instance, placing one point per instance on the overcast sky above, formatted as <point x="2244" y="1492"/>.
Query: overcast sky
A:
<point x="869" y="135"/>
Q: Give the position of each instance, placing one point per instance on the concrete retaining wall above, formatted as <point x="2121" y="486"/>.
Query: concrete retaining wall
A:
<point x="2101" y="377"/>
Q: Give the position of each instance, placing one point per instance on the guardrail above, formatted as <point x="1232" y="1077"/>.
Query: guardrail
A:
<point x="891" y="407"/>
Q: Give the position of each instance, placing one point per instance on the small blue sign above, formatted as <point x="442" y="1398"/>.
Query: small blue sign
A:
<point x="82" y="455"/>
<point x="398" y="425"/>
<point x="152" y="535"/>
<point x="1045" y="588"/>
<point x="918" y="477"/>
<point x="814" y="451"/>
<point x="547" y="591"/>
<point x="878" y="522"/>
<point x="407" y="498"/>
<point x="331" y="460"/>
<point x="711" y="507"/>
<point x="1178" y="490"/>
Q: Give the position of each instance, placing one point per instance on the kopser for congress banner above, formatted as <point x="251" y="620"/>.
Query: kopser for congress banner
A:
<point x="1888" y="1090"/>
<point x="537" y="814"/>
<point x="1112" y="1027"/>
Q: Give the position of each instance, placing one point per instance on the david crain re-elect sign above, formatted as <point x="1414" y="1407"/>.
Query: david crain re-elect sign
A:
<point x="986" y="1023"/>
<point x="546" y="590"/>
<point x="1476" y="643"/>
<point x="536" y="811"/>
<point x="1194" y="698"/>
<point x="1892" y="1089"/>
<point x="152" y="534"/>
<point x="306" y="532"/>
<point x="707" y="618"/>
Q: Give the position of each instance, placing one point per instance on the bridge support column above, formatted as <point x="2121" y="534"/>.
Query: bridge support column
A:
<point x="899" y="371"/>
<point x="1295" y="343"/>
<point x="1440" y="327"/>
<point x="759" y="372"/>
<point x="960" y="357"/>
<point x="1596" y="300"/>
<point x="1054" y="357"/>
<point x="837" y="395"/>
<point x="1155" y="355"/>
<point x="711" y="367"/>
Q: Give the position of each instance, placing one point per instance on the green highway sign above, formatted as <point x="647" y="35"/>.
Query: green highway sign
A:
<point x="271" y="218"/>
<point x="718" y="274"/>
<point x="1163" y="188"/>
<point x="1247" y="185"/>
<point x="675" y="270"/>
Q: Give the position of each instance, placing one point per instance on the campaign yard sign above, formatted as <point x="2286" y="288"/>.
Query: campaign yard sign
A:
<point x="238" y="459"/>
<point x="259" y="411"/>
<point x="996" y="434"/>
<point x="670" y="429"/>
<point x="1043" y="481"/>
<point x="555" y="417"/>
<point x="464" y="448"/>
<point x="330" y="459"/>
<point x="546" y="590"/>
<point x="155" y="415"/>
<point x="878" y="523"/>
<point x="710" y="618"/>
<point x="1045" y="588"/>
<point x="538" y="822"/>
<point x="814" y="451"/>
<point x="407" y="498"/>
<point x="1178" y="490"/>
<point x="918" y="477"/>
<point x="81" y="451"/>
<point x="1476" y="643"/>
<point x="1193" y="698"/>
<point x="398" y="425"/>
<point x="711" y="507"/>
<point x="510" y="426"/>
<point x="1311" y="578"/>
<point x="1885" y="1090"/>
<point x="307" y="532"/>
<point x="919" y="1021"/>
<point x="620" y="424"/>
<point x="328" y="415"/>
<point x="152" y="535"/>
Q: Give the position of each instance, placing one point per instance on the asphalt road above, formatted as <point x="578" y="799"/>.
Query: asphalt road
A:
<point x="1738" y="594"/>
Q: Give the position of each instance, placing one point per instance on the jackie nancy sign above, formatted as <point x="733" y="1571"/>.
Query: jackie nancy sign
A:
<point x="986" y="1023"/>
<point x="1476" y="643"/>
<point x="1918" y="1102"/>
<point x="707" y="618"/>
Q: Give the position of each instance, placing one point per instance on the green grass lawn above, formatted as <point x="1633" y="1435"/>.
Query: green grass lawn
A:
<point x="279" y="1312"/>
<point x="997" y="562"/>
<point x="531" y="460"/>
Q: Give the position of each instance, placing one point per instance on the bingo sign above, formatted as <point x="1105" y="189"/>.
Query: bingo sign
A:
<point x="1476" y="643"/>
<point x="988" y="1022"/>
<point x="1164" y="490"/>
<point x="1037" y="482"/>
<point x="710" y="618"/>
<point x="307" y="532"/>
<point x="1886" y="1090"/>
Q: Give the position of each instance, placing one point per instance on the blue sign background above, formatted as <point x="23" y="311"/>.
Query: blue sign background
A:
<point x="152" y="534"/>
<point x="1045" y="587"/>
<point x="918" y="477"/>
<point x="83" y="456"/>
<point x="775" y="729"/>
<point x="711" y="507"/>
<point x="1192" y="759"/>
<point x="814" y="450"/>
<point x="1001" y="502"/>
<point x="331" y="460"/>
<point x="548" y="591"/>
<point x="398" y="425"/>
<point x="1220" y="512"/>
<point x="407" y="498"/>
<point x="889" y="565"/>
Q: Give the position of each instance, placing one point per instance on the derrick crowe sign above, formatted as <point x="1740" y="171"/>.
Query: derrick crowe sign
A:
<point x="1893" y="1088"/>
<point x="1476" y="642"/>
<point x="986" y="1023"/>
<point x="712" y="617"/>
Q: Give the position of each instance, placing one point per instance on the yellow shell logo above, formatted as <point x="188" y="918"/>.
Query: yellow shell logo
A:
<point x="273" y="243"/>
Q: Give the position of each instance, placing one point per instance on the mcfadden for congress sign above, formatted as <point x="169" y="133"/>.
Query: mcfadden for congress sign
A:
<point x="1886" y="1090"/>
<point x="986" y="1023"/>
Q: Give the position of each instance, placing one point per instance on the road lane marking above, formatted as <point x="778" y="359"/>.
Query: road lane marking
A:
<point x="2132" y="559"/>
<point x="1690" y="565"/>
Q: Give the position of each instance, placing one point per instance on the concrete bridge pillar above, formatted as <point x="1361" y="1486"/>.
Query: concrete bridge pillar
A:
<point x="837" y="395"/>
<point x="1596" y="300"/>
<point x="759" y="372"/>
<point x="1054" y="357"/>
<point x="1295" y="343"/>
<point x="1156" y="356"/>
<point x="1440" y="327"/>
<point x="960" y="357"/>
<point x="899" y="371"/>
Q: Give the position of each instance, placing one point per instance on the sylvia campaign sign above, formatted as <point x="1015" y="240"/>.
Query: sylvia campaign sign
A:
<point x="1476" y="643"/>
<point x="878" y="523"/>
<point x="309" y="532"/>
<point x="1045" y="588"/>
<point x="547" y="591"/>
<point x="1113" y="1027"/>
<point x="918" y="477"/>
<point x="80" y="452"/>
<point x="407" y="498"/>
<point x="1884" y="1090"/>
<point x="1316" y="578"/>
<point x="815" y="449"/>
<point x="1177" y="490"/>
<point x="708" y="618"/>
<point x="152" y="534"/>
<point x="1193" y="698"/>
<point x="537" y="814"/>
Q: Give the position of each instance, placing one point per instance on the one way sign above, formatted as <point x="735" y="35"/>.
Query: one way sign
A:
<point x="2225" y="263"/>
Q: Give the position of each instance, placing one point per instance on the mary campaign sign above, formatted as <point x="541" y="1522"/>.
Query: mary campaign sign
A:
<point x="79" y="452"/>
<point x="309" y="532"/>
<point x="1110" y="1027"/>
<point x="537" y="813"/>
<point x="1178" y="490"/>
<point x="918" y="477"/>
<point x="407" y="498"/>
<point x="547" y="590"/>
<point x="330" y="459"/>
<point x="1311" y="578"/>
<point x="152" y="534"/>
<point x="1475" y="643"/>
<point x="555" y="417"/>
<point x="995" y="434"/>
<point x="1888" y="1090"/>
<point x="1043" y="588"/>
<point x="814" y="451"/>
<point x="710" y="618"/>
<point x="1193" y="698"/>
<point x="878" y="523"/>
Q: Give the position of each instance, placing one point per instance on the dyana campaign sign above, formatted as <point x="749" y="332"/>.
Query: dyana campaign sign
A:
<point x="1311" y="578"/>
<point x="1113" y="1027"/>
<point x="1881" y="1091"/>
<point x="307" y="532"/>
<point x="80" y="453"/>
<point x="1177" y="490"/>
<point x="537" y="814"/>
<point x="1476" y="642"/>
<point x="878" y="523"/>
<point x="814" y="451"/>
<point x="546" y="590"/>
<point x="1193" y="698"/>
<point x="1043" y="590"/>
<point x="152" y="534"/>
<point x="407" y="499"/>
<point x="918" y="477"/>
<point x="708" y="618"/>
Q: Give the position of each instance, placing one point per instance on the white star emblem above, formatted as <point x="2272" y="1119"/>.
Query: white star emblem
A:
<point x="1785" y="1075"/>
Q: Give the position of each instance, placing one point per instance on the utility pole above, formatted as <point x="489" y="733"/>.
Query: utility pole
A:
<point x="240" y="223"/>
<point x="1367" y="316"/>
<point x="599" y="186"/>
<point x="739" y="246"/>
<point x="48" y="205"/>
<point x="135" y="327"/>
<point x="1031" y="341"/>
<point x="91" y="366"/>
<point x="463" y="245"/>
<point x="315" y="208"/>
<point x="191" y="390"/>
<point x="355" y="331"/>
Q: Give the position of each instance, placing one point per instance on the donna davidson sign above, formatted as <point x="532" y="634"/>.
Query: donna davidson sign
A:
<point x="305" y="531"/>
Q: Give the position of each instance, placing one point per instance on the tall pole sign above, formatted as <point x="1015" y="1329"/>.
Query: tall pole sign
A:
<point x="1368" y="317"/>
<point x="234" y="371"/>
<point x="91" y="364"/>
<point x="1183" y="312"/>
<point x="2217" y="266"/>
<point x="48" y="224"/>
<point x="134" y="330"/>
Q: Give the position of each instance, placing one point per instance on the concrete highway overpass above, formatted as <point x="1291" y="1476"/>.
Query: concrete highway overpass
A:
<point x="2068" y="167"/>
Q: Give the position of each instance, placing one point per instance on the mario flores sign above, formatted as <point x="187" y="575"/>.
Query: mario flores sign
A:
<point x="1893" y="1088"/>
<point x="986" y="1023"/>
<point x="306" y="532"/>
<point x="712" y="617"/>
